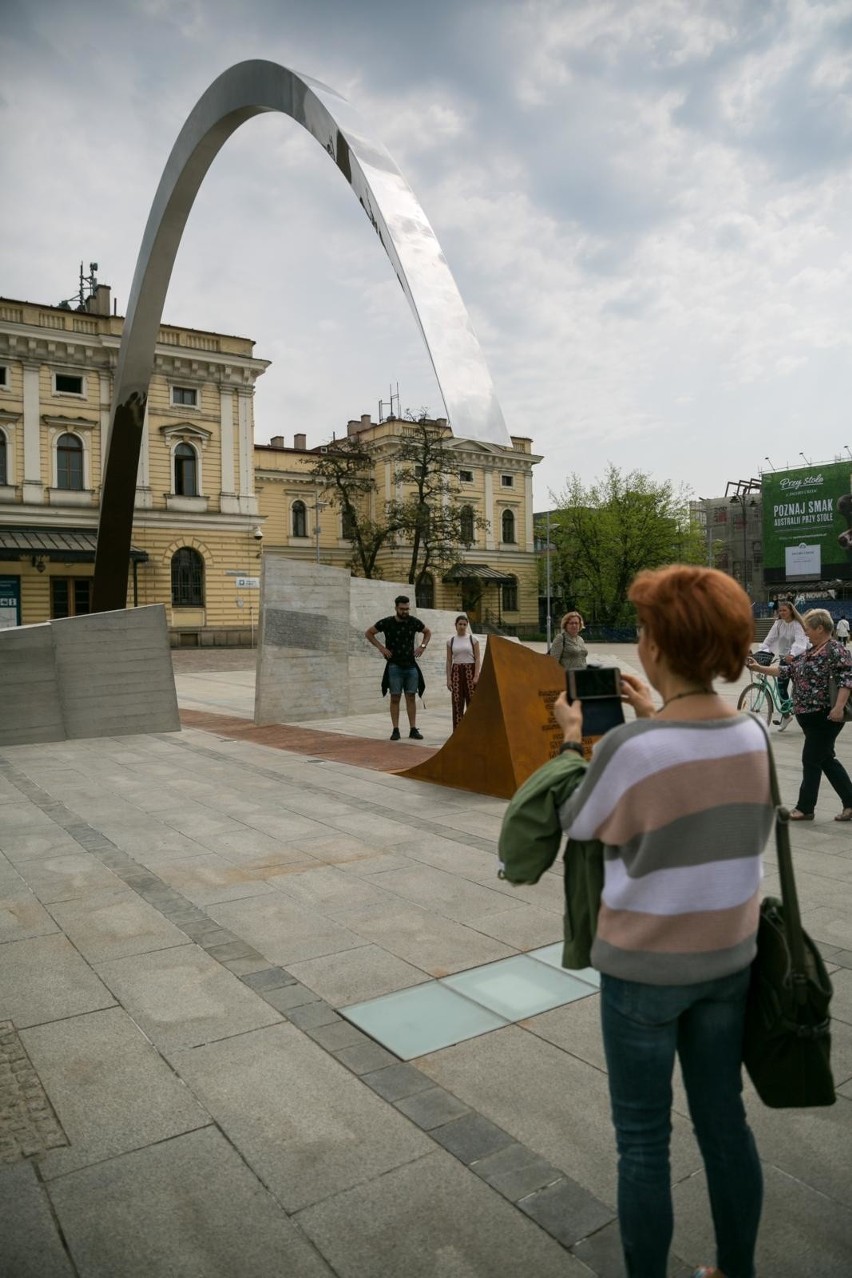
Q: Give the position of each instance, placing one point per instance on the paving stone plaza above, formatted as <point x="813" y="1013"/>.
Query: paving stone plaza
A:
<point x="208" y="940"/>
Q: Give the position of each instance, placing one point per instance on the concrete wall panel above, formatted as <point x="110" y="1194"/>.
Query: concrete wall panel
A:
<point x="313" y="659"/>
<point x="107" y="674"/>
<point x="30" y="697"/>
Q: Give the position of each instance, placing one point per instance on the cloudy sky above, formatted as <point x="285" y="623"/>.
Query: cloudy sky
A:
<point x="647" y="206"/>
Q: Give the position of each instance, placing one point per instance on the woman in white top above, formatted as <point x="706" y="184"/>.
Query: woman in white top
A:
<point x="786" y="638"/>
<point x="462" y="667"/>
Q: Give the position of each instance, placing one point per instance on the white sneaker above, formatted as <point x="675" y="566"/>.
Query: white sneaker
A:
<point x="786" y="720"/>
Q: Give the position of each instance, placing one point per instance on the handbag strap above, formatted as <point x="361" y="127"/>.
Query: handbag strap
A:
<point x="789" y="895"/>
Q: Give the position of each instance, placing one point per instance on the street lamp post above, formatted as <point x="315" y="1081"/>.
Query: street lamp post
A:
<point x="316" y="508"/>
<point x="739" y="499"/>
<point x="705" y="502"/>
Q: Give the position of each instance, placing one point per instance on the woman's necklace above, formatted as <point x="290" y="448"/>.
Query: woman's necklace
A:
<point x="690" y="692"/>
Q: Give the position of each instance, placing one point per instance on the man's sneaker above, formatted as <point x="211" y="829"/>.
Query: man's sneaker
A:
<point x="395" y="735"/>
<point x="786" y="720"/>
<point x="415" y="734"/>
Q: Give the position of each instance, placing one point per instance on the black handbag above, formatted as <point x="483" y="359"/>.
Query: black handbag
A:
<point x="833" y="689"/>
<point x="787" y="1044"/>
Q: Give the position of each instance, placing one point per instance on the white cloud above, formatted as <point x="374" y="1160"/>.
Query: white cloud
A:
<point x="645" y="204"/>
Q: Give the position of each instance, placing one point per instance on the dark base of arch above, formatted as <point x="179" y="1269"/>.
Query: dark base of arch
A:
<point x="118" y="497"/>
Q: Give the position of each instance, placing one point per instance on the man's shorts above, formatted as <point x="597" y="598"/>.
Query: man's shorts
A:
<point x="402" y="679"/>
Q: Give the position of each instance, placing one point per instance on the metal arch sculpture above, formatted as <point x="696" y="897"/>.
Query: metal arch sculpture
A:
<point x="243" y="91"/>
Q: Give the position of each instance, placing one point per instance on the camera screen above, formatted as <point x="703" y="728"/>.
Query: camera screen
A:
<point x="586" y="684"/>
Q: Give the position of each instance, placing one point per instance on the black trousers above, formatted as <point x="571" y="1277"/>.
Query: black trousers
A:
<point x="818" y="758"/>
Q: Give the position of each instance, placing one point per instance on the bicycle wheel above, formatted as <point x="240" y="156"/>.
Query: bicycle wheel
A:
<point x="756" y="698"/>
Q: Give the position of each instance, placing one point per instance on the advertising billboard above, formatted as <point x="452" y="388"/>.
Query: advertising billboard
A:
<point x="807" y="524"/>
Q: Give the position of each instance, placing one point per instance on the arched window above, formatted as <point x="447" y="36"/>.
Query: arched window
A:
<point x="69" y="463"/>
<point x="186" y="471"/>
<point x="3" y="464"/>
<point x="187" y="578"/>
<point x="466" y="525"/>
<point x="300" y="519"/>
<point x="425" y="592"/>
<point x="508" y="526"/>
<point x="510" y="595"/>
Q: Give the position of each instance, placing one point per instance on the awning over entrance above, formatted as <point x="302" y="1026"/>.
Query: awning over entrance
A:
<point x="480" y="572"/>
<point x="60" y="545"/>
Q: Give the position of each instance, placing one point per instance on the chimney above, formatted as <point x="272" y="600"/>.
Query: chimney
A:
<point x="365" y="421"/>
<point x="300" y="443"/>
<point x="441" y="421"/>
<point x="277" y="441"/>
<point x="99" y="302"/>
<point x="352" y="427"/>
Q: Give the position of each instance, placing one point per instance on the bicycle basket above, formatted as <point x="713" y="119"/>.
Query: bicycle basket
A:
<point x="763" y="658"/>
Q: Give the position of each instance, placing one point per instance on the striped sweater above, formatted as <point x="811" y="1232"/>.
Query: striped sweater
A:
<point x="683" y="811"/>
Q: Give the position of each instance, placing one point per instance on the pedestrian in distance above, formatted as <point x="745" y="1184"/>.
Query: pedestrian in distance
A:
<point x="822" y="683"/>
<point x="786" y="638"/>
<point x="568" y="647"/>
<point x="841" y="631"/>
<point x="681" y="801"/>
<point x="462" y="667"/>
<point x="400" y="651"/>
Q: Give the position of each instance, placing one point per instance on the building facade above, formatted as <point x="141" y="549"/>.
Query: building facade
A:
<point x="494" y="577"/>
<point x="208" y="499"/>
<point x="732" y="528"/>
<point x="196" y="508"/>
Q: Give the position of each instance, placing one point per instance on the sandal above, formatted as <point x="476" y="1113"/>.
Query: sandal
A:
<point x="845" y="815"/>
<point x="796" y="815"/>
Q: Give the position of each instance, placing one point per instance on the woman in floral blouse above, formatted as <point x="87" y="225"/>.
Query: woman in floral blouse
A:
<point x="812" y="671"/>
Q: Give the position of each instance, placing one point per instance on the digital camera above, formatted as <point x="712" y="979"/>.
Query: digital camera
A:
<point x="599" y="690"/>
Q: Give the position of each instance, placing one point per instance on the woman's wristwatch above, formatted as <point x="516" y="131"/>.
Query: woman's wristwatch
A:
<point x="571" y="745"/>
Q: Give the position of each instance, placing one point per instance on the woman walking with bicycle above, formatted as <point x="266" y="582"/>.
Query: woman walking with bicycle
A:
<point x="819" y="710"/>
<point x="786" y="638"/>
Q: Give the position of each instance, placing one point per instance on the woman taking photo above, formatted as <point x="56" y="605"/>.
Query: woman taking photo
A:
<point x="820" y="717"/>
<point x="462" y="667"/>
<point x="568" y="648"/>
<point x="681" y="801"/>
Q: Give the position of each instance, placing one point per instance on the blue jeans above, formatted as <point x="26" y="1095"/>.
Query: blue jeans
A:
<point x="644" y="1027"/>
<point x="402" y="679"/>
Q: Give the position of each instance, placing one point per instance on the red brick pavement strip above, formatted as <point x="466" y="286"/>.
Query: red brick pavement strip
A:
<point x="362" y="752"/>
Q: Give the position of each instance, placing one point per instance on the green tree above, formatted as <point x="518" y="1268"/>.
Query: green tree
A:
<point x="607" y="531"/>
<point x="432" y="517"/>
<point x="345" y="473"/>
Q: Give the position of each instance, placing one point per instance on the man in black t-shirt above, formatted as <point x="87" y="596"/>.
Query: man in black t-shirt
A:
<point x="402" y="672"/>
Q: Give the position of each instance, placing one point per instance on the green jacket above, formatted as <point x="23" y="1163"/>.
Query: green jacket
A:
<point x="529" y="844"/>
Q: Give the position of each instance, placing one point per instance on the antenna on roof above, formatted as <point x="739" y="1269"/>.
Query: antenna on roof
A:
<point x="389" y="404"/>
<point x="81" y="297"/>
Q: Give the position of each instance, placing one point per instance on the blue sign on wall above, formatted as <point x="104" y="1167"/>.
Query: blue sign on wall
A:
<point x="10" y="602"/>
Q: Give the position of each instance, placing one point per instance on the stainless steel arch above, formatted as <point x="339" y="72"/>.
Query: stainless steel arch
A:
<point x="246" y="90"/>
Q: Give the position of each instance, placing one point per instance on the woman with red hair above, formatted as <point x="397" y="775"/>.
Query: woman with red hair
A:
<point x="681" y="801"/>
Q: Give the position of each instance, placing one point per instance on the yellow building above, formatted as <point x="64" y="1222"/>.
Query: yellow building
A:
<point x="495" y="578"/>
<point x="196" y="509"/>
<point x="207" y="499"/>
